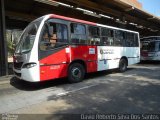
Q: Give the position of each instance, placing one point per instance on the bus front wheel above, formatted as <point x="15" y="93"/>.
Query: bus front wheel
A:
<point x="76" y="72"/>
<point x="123" y="65"/>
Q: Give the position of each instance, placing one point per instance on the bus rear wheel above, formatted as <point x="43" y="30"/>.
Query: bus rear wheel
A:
<point x="76" y="72"/>
<point x="122" y="65"/>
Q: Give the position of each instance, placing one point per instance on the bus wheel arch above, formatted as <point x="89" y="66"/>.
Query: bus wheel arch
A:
<point x="123" y="63"/>
<point x="76" y="71"/>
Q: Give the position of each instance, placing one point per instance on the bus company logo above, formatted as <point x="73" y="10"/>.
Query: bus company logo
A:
<point x="101" y="51"/>
<point x="107" y="51"/>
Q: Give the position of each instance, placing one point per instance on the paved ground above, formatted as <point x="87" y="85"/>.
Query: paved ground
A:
<point x="135" y="91"/>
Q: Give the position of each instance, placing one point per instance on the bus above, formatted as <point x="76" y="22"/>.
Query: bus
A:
<point x="150" y="48"/>
<point x="55" y="46"/>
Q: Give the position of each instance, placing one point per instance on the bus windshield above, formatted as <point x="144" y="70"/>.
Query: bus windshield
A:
<point x="149" y="46"/>
<point x="28" y="37"/>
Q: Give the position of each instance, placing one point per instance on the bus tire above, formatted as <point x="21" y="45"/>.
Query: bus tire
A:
<point x="76" y="73"/>
<point x="122" y="65"/>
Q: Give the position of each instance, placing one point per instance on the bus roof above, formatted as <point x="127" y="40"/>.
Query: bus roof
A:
<point x="72" y="19"/>
<point x="101" y="25"/>
<point x="151" y="37"/>
<point x="87" y="22"/>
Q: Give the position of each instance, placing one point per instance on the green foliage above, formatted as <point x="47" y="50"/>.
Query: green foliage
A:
<point x="9" y="42"/>
<point x="12" y="38"/>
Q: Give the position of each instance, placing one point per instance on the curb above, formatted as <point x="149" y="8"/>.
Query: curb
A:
<point x="5" y="79"/>
<point x="5" y="82"/>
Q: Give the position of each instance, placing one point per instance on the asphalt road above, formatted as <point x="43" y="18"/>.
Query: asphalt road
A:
<point x="137" y="91"/>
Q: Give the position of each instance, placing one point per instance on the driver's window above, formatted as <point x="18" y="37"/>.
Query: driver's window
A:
<point x="57" y="38"/>
<point x="44" y="41"/>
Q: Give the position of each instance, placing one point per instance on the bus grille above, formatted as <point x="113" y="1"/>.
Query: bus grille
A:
<point x="18" y="65"/>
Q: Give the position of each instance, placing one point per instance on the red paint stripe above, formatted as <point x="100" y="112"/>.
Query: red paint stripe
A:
<point x="73" y="19"/>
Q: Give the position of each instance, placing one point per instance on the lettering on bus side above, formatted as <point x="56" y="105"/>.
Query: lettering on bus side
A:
<point x="106" y="51"/>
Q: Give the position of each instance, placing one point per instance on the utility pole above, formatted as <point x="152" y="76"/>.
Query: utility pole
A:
<point x="3" y="42"/>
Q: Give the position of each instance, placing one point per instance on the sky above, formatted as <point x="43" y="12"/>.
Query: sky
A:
<point x="151" y="6"/>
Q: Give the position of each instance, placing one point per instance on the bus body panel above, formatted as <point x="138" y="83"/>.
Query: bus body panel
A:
<point x="133" y="55"/>
<point x="86" y="53"/>
<point x="55" y="65"/>
<point x="150" y="55"/>
<point x="109" y="57"/>
<point x="28" y="74"/>
<point x="31" y="74"/>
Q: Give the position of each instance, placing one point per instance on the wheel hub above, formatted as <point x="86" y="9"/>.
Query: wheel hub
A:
<point x="76" y="72"/>
<point x="123" y="66"/>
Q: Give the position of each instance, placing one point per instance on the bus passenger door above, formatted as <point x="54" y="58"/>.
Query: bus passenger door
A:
<point x="102" y="59"/>
<point x="54" y="51"/>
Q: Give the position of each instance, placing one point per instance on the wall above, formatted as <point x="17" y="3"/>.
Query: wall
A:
<point x="3" y="49"/>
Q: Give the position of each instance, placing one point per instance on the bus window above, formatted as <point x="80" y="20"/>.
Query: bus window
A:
<point x="144" y="46"/>
<point x="152" y="46"/>
<point x="107" y="37"/>
<point x="119" y="38"/>
<point x="129" y="39"/>
<point x="44" y="41"/>
<point x="58" y="38"/>
<point x="136" y="43"/>
<point x="27" y="39"/>
<point x="78" y="34"/>
<point x="94" y="35"/>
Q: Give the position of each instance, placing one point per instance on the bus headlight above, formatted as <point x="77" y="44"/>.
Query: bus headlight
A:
<point x="29" y="65"/>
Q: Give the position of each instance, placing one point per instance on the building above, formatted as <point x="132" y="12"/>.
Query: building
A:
<point x="15" y="15"/>
<point x="134" y="3"/>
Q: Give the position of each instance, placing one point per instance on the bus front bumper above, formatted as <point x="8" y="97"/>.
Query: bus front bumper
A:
<point x="30" y="75"/>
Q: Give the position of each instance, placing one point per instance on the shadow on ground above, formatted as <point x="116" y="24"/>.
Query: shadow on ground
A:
<point x="31" y="86"/>
<point x="125" y="95"/>
<point x="150" y="62"/>
<point x="113" y="97"/>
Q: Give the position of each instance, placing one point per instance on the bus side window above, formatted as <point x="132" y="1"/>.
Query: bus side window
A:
<point x="136" y="43"/>
<point x="130" y="39"/>
<point x="44" y="41"/>
<point x="157" y="46"/>
<point x="62" y="33"/>
<point x="78" y="33"/>
<point x="107" y="36"/>
<point x="119" y="38"/>
<point x="94" y="35"/>
<point x="58" y="38"/>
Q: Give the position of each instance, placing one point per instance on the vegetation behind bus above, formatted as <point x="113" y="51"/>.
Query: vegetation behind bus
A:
<point x="12" y="37"/>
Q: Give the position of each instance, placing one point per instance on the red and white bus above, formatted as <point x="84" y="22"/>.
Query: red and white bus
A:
<point x="150" y="48"/>
<point x="55" y="46"/>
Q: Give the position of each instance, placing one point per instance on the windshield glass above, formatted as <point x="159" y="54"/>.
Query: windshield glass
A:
<point x="144" y="46"/>
<point x="149" y="46"/>
<point x="28" y="37"/>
